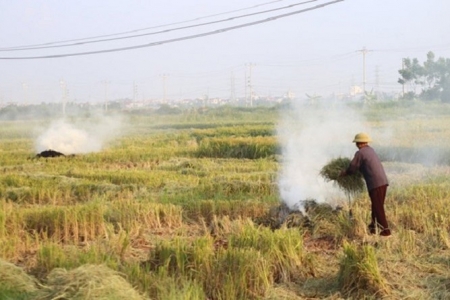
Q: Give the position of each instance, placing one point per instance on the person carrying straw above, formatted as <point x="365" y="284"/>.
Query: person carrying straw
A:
<point x="368" y="163"/>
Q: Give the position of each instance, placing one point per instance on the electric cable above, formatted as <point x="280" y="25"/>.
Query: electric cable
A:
<point x="296" y="64"/>
<point x="156" y="32"/>
<point x="137" y="30"/>
<point x="152" y="44"/>
<point x="437" y="47"/>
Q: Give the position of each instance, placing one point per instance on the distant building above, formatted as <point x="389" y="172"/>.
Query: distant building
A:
<point x="355" y="90"/>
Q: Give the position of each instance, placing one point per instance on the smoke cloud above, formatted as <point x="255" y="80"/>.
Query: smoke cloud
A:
<point x="79" y="137"/>
<point x="312" y="135"/>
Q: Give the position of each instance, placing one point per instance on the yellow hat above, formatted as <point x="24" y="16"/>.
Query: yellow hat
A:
<point x="362" y="137"/>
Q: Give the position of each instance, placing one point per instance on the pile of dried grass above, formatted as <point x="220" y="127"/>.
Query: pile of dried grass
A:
<point x="351" y="184"/>
<point x="88" y="282"/>
<point x="15" y="280"/>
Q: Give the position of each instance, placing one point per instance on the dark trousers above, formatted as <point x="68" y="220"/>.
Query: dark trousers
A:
<point x="377" y="196"/>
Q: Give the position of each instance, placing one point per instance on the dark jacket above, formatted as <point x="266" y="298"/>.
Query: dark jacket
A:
<point x="369" y="164"/>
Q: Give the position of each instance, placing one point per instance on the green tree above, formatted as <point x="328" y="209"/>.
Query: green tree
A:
<point x="370" y="97"/>
<point x="433" y="77"/>
<point x="411" y="73"/>
<point x="442" y="71"/>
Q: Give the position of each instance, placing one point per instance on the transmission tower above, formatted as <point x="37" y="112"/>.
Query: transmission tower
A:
<point x="249" y="86"/>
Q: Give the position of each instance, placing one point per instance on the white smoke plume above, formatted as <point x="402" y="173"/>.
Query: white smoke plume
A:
<point x="79" y="137"/>
<point x="311" y="136"/>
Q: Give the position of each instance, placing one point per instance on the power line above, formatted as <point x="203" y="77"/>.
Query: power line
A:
<point x="176" y="39"/>
<point x="295" y="64"/>
<point x="137" y="30"/>
<point x="423" y="48"/>
<point x="161" y="31"/>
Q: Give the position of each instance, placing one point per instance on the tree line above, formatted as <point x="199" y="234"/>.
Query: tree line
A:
<point x="427" y="81"/>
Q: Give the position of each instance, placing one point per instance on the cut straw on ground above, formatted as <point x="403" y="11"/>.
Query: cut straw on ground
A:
<point x="15" y="279"/>
<point x="88" y="282"/>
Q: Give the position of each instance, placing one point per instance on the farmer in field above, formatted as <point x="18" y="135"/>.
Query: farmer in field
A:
<point x="369" y="164"/>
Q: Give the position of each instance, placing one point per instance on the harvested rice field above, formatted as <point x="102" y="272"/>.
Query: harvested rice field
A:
<point x="229" y="203"/>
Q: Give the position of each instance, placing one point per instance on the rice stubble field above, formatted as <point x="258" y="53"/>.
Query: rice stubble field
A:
<point x="187" y="206"/>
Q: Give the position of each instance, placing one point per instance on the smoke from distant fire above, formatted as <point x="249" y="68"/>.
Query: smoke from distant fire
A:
<point x="72" y="138"/>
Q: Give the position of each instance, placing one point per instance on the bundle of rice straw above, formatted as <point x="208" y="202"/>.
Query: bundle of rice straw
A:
<point x="15" y="279"/>
<point x="351" y="184"/>
<point x="88" y="282"/>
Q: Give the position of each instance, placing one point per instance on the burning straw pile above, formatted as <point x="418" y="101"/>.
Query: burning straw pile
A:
<point x="351" y="184"/>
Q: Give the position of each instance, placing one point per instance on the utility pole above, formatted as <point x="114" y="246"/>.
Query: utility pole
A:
<point x="106" y="83"/>
<point x="206" y="98"/>
<point x="249" y="85"/>
<point x="364" y="51"/>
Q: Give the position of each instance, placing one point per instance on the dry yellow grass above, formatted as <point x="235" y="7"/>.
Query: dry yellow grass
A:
<point x="115" y="207"/>
<point x="87" y="282"/>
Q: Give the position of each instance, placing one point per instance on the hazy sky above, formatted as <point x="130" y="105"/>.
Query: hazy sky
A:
<point x="315" y="52"/>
